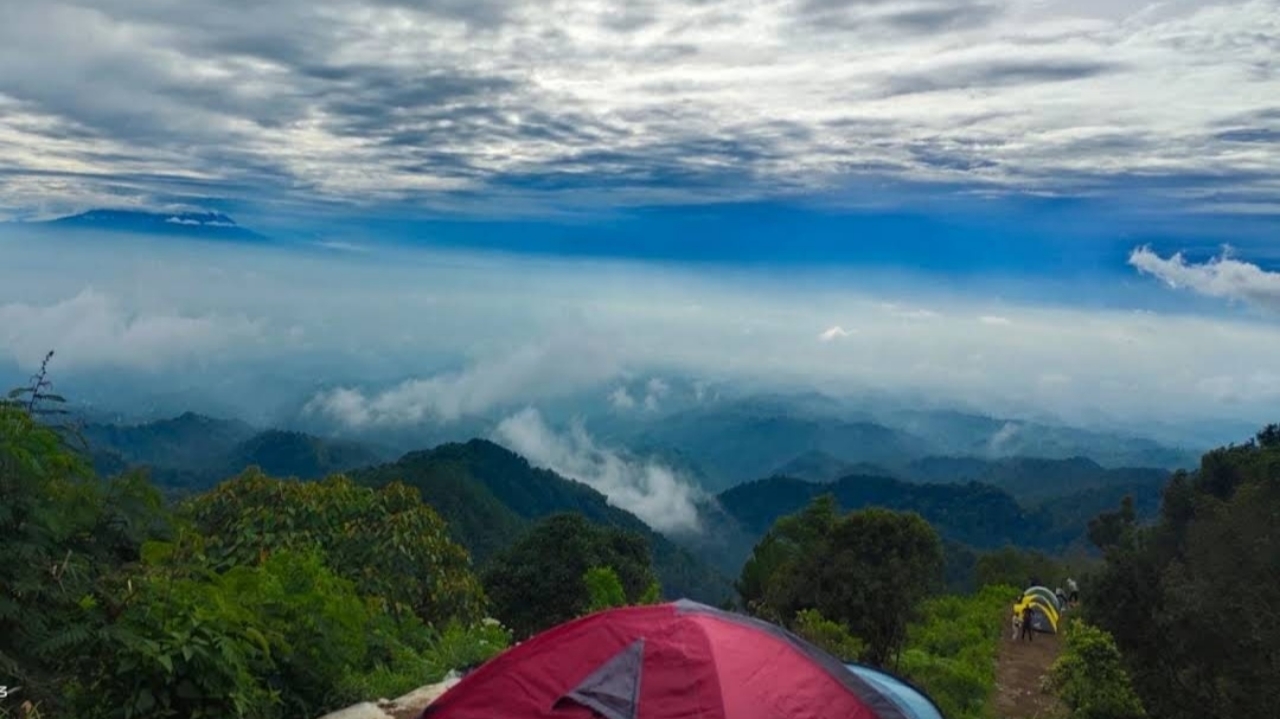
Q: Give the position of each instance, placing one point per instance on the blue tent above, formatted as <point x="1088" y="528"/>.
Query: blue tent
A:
<point x="910" y="700"/>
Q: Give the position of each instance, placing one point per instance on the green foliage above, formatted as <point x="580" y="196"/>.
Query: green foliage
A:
<point x="64" y="534"/>
<point x="832" y="637"/>
<point x="766" y="584"/>
<point x="541" y="580"/>
<point x="262" y="599"/>
<point x="877" y="568"/>
<point x="867" y="570"/>
<point x="951" y="651"/>
<point x="651" y="595"/>
<point x="286" y="637"/>
<point x="387" y="541"/>
<point x="604" y="589"/>
<point x="1191" y="601"/>
<point x="1090" y="678"/>
<point x="461" y="646"/>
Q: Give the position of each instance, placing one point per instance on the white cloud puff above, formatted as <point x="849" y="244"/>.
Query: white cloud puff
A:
<point x="1222" y="277"/>
<point x="834" y="333"/>
<point x="650" y="490"/>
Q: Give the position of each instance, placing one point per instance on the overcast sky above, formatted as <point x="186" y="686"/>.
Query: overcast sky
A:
<point x="1014" y="203"/>
<point x="491" y="106"/>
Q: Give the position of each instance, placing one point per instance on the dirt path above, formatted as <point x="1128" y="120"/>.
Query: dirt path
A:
<point x="1020" y="666"/>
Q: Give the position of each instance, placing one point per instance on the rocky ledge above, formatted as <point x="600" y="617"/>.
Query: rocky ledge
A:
<point x="409" y="706"/>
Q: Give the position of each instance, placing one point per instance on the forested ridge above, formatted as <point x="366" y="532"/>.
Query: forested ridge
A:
<point x="269" y="596"/>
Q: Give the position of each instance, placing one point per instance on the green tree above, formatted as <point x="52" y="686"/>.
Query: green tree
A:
<point x="951" y="649"/>
<point x="386" y="541"/>
<point x="65" y="537"/>
<point x="604" y="589"/>
<point x="284" y="637"/>
<point x="866" y="570"/>
<point x="1191" y="600"/>
<point x="765" y="582"/>
<point x="261" y="599"/>
<point x="1090" y="678"/>
<point x="875" y="569"/>
<point x="540" y="580"/>
<point x="832" y="637"/>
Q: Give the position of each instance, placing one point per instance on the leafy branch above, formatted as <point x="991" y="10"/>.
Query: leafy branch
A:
<point x="36" y="392"/>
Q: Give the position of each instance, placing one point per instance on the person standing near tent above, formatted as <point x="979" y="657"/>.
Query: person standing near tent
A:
<point x="1026" y="623"/>
<point x="1073" y="591"/>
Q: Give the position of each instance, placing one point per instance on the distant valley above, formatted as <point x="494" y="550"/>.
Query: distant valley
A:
<point x="822" y="439"/>
<point x="490" y="495"/>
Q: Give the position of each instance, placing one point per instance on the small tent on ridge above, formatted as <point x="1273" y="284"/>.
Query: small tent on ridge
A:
<point x="1048" y="596"/>
<point x="674" y="661"/>
<point x="1045" y="609"/>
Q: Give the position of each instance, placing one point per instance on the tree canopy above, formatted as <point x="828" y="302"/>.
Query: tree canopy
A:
<point x="868" y="570"/>
<point x="385" y="540"/>
<point x="263" y="598"/>
<point x="546" y="577"/>
<point x="1192" y="600"/>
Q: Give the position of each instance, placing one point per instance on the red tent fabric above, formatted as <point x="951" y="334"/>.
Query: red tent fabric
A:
<point x="681" y="660"/>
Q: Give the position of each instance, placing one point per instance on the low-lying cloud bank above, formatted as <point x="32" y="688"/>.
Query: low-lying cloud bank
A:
<point x="394" y="338"/>
<point x="93" y="327"/>
<point x="648" y="489"/>
<point x="529" y="373"/>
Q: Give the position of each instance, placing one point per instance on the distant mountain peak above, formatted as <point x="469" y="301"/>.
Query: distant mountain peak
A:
<point x="198" y="223"/>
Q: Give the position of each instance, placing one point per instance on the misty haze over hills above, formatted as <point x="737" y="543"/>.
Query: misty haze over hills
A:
<point x="666" y="468"/>
<point x="490" y="490"/>
<point x="654" y="385"/>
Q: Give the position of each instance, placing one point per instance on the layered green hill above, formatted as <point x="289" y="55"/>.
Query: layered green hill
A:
<point x="1033" y="479"/>
<point x="193" y="452"/>
<point x="974" y="514"/>
<point x="282" y="453"/>
<point x="970" y="514"/>
<point x="187" y="441"/>
<point x="490" y="496"/>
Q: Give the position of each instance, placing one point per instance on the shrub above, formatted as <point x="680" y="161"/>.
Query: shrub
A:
<point x="604" y="589"/>
<point x="951" y="651"/>
<point x="387" y="541"/>
<point x="1089" y="678"/>
<point x="832" y="637"/>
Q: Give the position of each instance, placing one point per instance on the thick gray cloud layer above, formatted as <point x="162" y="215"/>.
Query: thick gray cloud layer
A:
<point x="510" y="102"/>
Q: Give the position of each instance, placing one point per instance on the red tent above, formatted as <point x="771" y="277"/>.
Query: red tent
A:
<point x="669" y="661"/>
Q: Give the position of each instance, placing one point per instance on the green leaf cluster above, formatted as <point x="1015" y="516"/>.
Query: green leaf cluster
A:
<point x="868" y="570"/>
<point x="1191" y="600"/>
<point x="566" y="567"/>
<point x="262" y="598"/>
<point x="1090" y="678"/>
<point x="385" y="540"/>
<point x="951" y="650"/>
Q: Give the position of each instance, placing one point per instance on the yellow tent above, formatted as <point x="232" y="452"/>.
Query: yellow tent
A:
<point x="1044" y="618"/>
